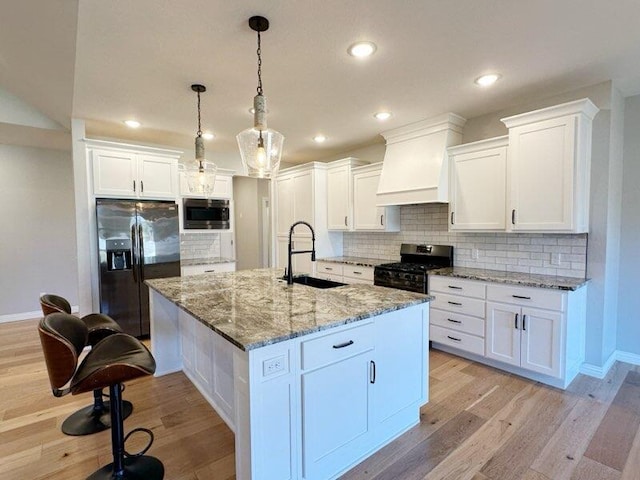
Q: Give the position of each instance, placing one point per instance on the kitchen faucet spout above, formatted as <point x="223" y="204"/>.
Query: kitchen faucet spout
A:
<point x="291" y="252"/>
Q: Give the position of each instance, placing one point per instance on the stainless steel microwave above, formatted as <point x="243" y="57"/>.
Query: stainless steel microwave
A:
<point x="204" y="213"/>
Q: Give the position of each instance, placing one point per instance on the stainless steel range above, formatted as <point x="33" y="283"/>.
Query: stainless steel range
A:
<point x="415" y="262"/>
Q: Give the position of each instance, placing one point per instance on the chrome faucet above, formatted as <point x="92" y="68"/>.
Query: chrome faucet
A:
<point x="289" y="271"/>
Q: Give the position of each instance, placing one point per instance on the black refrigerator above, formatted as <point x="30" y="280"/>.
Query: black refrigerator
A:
<point x="137" y="240"/>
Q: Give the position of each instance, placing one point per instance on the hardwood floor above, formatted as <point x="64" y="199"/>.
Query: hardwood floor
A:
<point x="481" y="424"/>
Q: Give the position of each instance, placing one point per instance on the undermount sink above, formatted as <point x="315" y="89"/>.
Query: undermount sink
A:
<point x="316" y="282"/>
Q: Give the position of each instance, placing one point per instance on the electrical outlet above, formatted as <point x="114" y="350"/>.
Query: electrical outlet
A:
<point x="556" y="258"/>
<point x="475" y="253"/>
<point x="274" y="365"/>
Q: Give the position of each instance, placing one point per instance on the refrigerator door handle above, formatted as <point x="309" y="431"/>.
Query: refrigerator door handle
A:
<point x="141" y="242"/>
<point x="133" y="253"/>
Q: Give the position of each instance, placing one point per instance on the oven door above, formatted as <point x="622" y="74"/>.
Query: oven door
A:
<point x="412" y="282"/>
<point x="200" y="213"/>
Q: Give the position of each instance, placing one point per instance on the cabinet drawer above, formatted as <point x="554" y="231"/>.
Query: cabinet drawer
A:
<point x="354" y="271"/>
<point x="458" y="304"/>
<point x="456" y="321"/>
<point x="534" y="297"/>
<point x="336" y="346"/>
<point x="329" y="276"/>
<point x="456" y="286"/>
<point x="329" y="267"/>
<point x="460" y="340"/>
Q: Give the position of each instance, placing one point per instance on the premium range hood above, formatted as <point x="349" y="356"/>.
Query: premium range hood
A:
<point x="415" y="167"/>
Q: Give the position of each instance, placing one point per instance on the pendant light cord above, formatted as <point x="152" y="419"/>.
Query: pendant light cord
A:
<point x="259" y="52"/>
<point x="199" y="133"/>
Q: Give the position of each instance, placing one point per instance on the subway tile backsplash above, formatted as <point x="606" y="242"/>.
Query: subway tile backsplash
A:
<point x="511" y="252"/>
<point x="199" y="245"/>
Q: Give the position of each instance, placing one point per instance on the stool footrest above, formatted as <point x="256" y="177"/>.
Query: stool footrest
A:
<point x="144" y="450"/>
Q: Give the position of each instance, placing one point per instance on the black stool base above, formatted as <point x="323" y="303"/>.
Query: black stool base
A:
<point x="88" y="420"/>
<point x="135" y="468"/>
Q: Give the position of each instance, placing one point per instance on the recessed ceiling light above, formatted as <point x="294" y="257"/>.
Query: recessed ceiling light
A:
<point x="382" y="115"/>
<point x="132" y="123"/>
<point x="319" y="138"/>
<point x="207" y="136"/>
<point x="487" y="80"/>
<point x="362" y="49"/>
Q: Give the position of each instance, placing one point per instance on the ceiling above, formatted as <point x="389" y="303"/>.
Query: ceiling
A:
<point x="106" y="61"/>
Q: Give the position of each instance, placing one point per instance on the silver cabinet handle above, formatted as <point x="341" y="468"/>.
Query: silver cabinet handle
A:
<point x="372" y="371"/>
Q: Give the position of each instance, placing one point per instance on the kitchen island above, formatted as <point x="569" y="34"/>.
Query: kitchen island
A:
<point x="311" y="381"/>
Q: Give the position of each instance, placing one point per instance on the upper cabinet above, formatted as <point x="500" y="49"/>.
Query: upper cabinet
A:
<point x="130" y="171"/>
<point x="549" y="168"/>
<point x="477" y="190"/>
<point x="366" y="215"/>
<point x="296" y="197"/>
<point x="222" y="187"/>
<point x="340" y="193"/>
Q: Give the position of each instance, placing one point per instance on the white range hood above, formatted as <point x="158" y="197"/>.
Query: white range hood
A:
<point x="415" y="167"/>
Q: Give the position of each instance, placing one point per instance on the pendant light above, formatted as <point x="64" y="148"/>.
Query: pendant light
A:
<point x="201" y="175"/>
<point x="260" y="147"/>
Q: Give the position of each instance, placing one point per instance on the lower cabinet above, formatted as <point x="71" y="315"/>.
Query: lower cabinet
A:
<point x="345" y="273"/>
<point x="207" y="268"/>
<point x="535" y="332"/>
<point x="525" y="337"/>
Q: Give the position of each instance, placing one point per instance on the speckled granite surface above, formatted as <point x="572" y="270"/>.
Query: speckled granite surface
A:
<point x="524" y="279"/>
<point x="204" y="261"/>
<point x="254" y="308"/>
<point x="360" y="261"/>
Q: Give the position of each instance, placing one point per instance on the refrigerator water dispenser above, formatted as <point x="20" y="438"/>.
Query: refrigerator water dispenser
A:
<point x="118" y="254"/>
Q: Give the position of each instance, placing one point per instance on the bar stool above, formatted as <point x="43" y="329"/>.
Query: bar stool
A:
<point x="115" y="359"/>
<point x="93" y="418"/>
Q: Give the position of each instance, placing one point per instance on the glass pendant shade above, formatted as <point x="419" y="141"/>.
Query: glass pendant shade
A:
<point x="201" y="177"/>
<point x="260" y="153"/>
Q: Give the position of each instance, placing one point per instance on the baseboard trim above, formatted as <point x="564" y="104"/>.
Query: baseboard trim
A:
<point x="601" y="371"/>
<point x="14" y="317"/>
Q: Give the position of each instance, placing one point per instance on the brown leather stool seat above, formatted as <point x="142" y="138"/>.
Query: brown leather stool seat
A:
<point x="93" y="418"/>
<point x="112" y="361"/>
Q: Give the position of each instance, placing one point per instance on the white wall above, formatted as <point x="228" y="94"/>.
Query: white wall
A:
<point x="38" y="247"/>
<point x="628" y="334"/>
<point x="247" y="194"/>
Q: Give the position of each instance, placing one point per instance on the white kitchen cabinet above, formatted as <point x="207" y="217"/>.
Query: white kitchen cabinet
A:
<point x="222" y="187"/>
<point x="538" y="333"/>
<point x="478" y="185"/>
<point x="300" y="193"/>
<point x="525" y="337"/>
<point x="187" y="340"/>
<point x="549" y="168"/>
<point x="345" y="273"/>
<point x="366" y="215"/>
<point x="203" y="365"/>
<point x="207" y="268"/>
<point x="130" y="171"/>
<point x="340" y="193"/>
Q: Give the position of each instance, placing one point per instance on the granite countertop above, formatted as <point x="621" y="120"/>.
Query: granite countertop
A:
<point x="254" y="308"/>
<point x="188" y="262"/>
<point x="359" y="261"/>
<point x="513" y="278"/>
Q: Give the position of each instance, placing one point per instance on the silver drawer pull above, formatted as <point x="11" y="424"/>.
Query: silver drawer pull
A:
<point x="345" y="344"/>
<point x="454" y="287"/>
<point x="521" y="296"/>
<point x="454" y="321"/>
<point x="454" y="303"/>
<point x="454" y="338"/>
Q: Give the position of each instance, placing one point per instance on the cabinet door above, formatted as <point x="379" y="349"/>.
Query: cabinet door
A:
<point x="336" y="420"/>
<point x="284" y="202"/>
<point x="158" y="177"/>
<point x="366" y="215"/>
<point x="503" y="333"/>
<point x="302" y="263"/>
<point x="303" y="198"/>
<point x="479" y="190"/>
<point x="202" y="358"/>
<point x="222" y="187"/>
<point x="541" y="341"/>
<point x="541" y="158"/>
<point x="399" y="359"/>
<point x="282" y="247"/>
<point x="187" y="339"/>
<point x="338" y="198"/>
<point x="114" y="173"/>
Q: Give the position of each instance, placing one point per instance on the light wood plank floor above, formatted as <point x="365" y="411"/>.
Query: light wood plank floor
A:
<point x="481" y="424"/>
